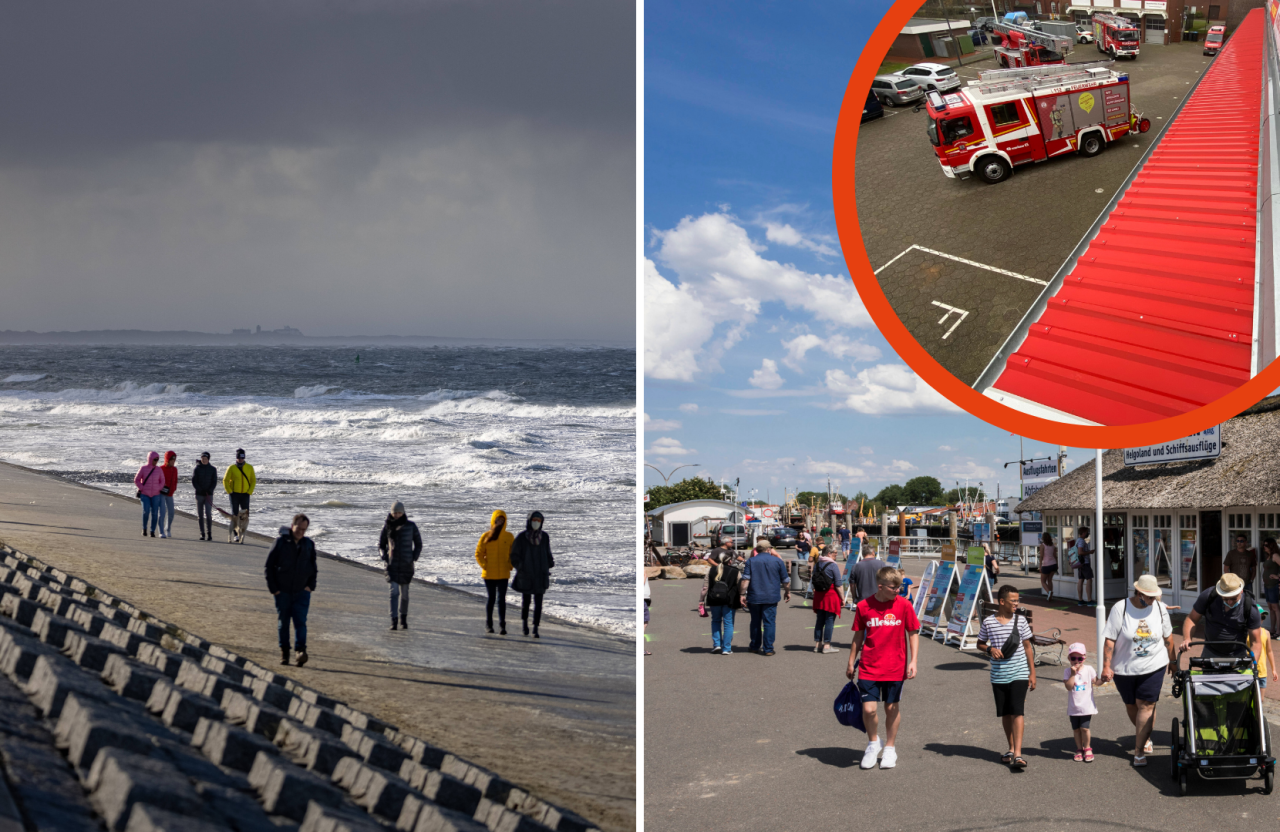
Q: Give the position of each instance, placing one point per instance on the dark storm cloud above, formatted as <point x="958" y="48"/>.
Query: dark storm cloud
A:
<point x="97" y="77"/>
<point x="462" y="169"/>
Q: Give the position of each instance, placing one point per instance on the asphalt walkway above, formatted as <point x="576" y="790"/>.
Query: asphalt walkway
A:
<point x="556" y="715"/>
<point x="747" y="742"/>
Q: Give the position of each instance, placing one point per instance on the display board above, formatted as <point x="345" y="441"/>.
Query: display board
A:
<point x="976" y="556"/>
<point x="895" y="554"/>
<point x="966" y="615"/>
<point x="922" y="591"/>
<point x="936" y="611"/>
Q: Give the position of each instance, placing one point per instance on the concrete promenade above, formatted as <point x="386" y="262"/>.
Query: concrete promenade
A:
<point x="748" y="742"/>
<point x="556" y="715"/>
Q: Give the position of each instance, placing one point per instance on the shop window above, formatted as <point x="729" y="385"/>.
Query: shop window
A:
<point x="1162" y="521"/>
<point x="1188" y="552"/>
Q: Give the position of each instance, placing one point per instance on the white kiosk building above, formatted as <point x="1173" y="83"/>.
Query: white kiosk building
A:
<point x="679" y="524"/>
<point x="1175" y="520"/>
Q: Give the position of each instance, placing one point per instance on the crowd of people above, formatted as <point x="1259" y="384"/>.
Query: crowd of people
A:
<point x="291" y="567"/>
<point x="1139" y="648"/>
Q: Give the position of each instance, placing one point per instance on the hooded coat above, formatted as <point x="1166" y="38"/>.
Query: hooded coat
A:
<point x="170" y="473"/>
<point x="531" y="558"/>
<point x="494" y="556"/>
<point x="150" y="477"/>
<point x="291" y="565"/>
<point x="400" y="545"/>
<point x="204" y="479"/>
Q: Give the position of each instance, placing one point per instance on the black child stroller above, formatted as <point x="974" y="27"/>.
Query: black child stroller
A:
<point x="1223" y="734"/>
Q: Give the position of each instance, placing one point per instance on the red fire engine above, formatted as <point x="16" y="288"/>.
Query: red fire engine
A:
<point x="1011" y="117"/>
<point x="1213" y="39"/>
<point x="1022" y="46"/>
<point x="1117" y="36"/>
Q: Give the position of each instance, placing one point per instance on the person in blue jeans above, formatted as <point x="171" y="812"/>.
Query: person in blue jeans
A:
<point x="291" y="578"/>
<point x="765" y="581"/>
<point x="722" y="597"/>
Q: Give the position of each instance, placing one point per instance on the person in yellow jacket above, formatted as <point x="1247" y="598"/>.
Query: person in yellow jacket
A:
<point x="493" y="553"/>
<point x="239" y="482"/>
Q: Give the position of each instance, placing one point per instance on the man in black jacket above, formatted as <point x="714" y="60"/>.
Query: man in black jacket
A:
<point x="204" y="479"/>
<point x="291" y="578"/>
<point x="400" y="545"/>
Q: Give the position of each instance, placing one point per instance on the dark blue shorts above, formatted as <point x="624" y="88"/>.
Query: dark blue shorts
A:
<point x="1145" y="687"/>
<point x="887" y="692"/>
<point x="1273" y="594"/>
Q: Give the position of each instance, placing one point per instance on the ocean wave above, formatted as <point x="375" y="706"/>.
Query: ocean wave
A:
<point x="313" y="391"/>
<point x="18" y="378"/>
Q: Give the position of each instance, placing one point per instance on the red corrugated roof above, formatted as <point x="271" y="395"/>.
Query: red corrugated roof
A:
<point x="1156" y="318"/>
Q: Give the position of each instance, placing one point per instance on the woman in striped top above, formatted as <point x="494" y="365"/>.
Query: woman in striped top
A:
<point x="1012" y="675"/>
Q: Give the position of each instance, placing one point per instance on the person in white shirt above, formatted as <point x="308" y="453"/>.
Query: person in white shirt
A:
<point x="1135" y="657"/>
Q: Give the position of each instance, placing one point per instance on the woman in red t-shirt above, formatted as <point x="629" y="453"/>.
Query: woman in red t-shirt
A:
<point x="827" y="603"/>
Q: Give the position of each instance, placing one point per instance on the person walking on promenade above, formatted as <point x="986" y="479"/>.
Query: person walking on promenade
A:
<point x="532" y="560"/>
<point x="886" y="643"/>
<point x="1084" y="567"/>
<point x="648" y="597"/>
<point x="170" y="471"/>
<point x="149" y="481"/>
<point x="239" y="482"/>
<point x="204" y="480"/>
<point x="400" y="545"/>
<point x="990" y="564"/>
<point x="828" y="600"/>
<point x="1048" y="564"/>
<point x="291" y="578"/>
<point x="493" y="553"/>
<point x="1227" y="618"/>
<point x="1266" y="655"/>
<point x="722" y="596"/>
<point x="764" y="581"/>
<point x="1243" y="561"/>
<point x="1078" y="680"/>
<point x="862" y="576"/>
<point x="1137" y="652"/>
<point x="1006" y="638"/>
<point x="845" y="537"/>
<point x="1271" y="582"/>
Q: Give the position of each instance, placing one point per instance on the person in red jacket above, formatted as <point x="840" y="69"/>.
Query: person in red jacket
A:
<point x="170" y="471"/>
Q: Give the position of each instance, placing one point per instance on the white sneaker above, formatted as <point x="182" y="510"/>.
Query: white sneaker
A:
<point x="830" y="649"/>
<point x="869" y="756"/>
<point x="889" y="758"/>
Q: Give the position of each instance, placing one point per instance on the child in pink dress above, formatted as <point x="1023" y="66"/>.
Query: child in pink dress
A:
<point x="1078" y="680"/>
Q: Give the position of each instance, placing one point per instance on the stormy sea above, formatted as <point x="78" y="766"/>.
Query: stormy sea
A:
<point x="341" y="433"/>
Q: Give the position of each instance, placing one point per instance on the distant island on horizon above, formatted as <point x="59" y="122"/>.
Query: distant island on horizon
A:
<point x="285" y="336"/>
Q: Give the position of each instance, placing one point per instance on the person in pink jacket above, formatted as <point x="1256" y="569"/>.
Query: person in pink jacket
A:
<point x="150" y="481"/>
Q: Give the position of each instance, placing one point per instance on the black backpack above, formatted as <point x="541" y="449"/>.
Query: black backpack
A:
<point x="718" y="592"/>
<point x="821" y="578"/>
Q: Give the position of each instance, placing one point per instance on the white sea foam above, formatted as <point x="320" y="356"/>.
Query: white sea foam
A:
<point x="18" y="378"/>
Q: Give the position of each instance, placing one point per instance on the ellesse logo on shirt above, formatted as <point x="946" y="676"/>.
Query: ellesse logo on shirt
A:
<point x="888" y="620"/>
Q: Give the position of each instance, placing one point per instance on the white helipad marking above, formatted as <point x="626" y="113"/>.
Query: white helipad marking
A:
<point x="962" y="260"/>
<point x="964" y="313"/>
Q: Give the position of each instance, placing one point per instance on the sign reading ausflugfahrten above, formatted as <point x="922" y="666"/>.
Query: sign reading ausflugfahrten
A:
<point x="1207" y="444"/>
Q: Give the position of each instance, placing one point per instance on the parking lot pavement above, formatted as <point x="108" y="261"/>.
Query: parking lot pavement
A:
<point x="1027" y="225"/>
<point x="749" y="742"/>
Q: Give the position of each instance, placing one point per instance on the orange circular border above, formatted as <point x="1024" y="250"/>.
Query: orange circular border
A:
<point x="910" y="350"/>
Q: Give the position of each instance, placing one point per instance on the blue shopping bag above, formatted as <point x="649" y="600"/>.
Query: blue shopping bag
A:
<point x="848" y="707"/>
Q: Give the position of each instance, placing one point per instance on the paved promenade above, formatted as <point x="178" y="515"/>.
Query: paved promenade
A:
<point x="747" y="742"/>
<point x="556" y="716"/>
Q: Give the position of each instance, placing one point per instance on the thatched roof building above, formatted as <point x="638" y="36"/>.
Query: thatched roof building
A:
<point x="1247" y="474"/>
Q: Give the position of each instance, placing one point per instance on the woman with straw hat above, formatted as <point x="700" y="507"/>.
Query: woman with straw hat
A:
<point x="1137" y="652"/>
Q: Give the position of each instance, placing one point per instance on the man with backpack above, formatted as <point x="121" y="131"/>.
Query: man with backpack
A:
<point x="722" y="598"/>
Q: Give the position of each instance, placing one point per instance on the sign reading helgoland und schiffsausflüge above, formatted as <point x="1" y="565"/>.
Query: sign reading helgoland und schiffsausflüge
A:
<point x="1207" y="444"/>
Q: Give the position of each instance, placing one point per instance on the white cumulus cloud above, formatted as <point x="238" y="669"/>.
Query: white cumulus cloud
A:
<point x="658" y="425"/>
<point x="901" y="465"/>
<point x="886" y="389"/>
<point x="665" y="447"/>
<point x="767" y="378"/>
<point x="784" y="234"/>
<point x="689" y="407"/>
<point x="945" y="448"/>
<point x="721" y="281"/>
<point x="836" y="346"/>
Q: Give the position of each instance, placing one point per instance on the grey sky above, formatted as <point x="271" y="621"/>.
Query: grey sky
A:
<point x="437" y="167"/>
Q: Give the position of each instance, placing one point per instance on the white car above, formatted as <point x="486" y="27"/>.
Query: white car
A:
<point x="939" y="77"/>
<point x="1084" y="34"/>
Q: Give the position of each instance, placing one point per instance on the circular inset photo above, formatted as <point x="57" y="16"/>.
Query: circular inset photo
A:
<point x="1063" y="224"/>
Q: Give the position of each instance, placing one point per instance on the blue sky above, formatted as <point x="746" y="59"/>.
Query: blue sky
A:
<point x="760" y="361"/>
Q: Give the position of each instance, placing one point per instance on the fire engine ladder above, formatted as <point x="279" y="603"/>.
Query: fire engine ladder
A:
<point x="1032" y="78"/>
<point x="1114" y="20"/>
<point x="1058" y="43"/>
